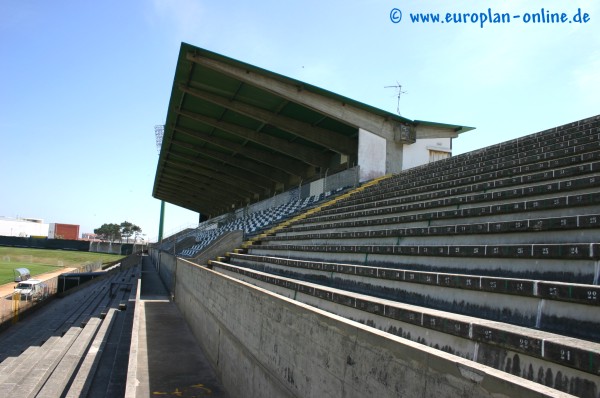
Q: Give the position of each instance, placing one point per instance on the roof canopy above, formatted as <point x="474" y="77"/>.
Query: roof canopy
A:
<point x="237" y="134"/>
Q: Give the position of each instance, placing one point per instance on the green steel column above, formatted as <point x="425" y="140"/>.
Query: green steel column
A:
<point x="161" y="223"/>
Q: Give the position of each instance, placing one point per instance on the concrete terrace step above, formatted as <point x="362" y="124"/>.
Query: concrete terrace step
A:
<point x="58" y="380"/>
<point x="449" y="199"/>
<point x="12" y="364"/>
<point x="475" y="177"/>
<point x="491" y="343"/>
<point x="491" y="164"/>
<point x="566" y="251"/>
<point x="419" y="212"/>
<point x="314" y="210"/>
<point x="544" y="305"/>
<point x="85" y="373"/>
<point x="46" y="370"/>
<point x="587" y="294"/>
<point x="31" y="376"/>
<point x="476" y="181"/>
<point x="533" y="225"/>
<point x="20" y="365"/>
<point x="575" y="263"/>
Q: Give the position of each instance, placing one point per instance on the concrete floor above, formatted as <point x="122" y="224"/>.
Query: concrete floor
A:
<point x="170" y="362"/>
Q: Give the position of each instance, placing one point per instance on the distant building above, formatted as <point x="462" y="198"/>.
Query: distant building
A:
<point x="89" y="236"/>
<point x="63" y="231"/>
<point x="23" y="227"/>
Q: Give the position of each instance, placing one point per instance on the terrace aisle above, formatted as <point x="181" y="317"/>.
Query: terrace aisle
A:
<point x="169" y="359"/>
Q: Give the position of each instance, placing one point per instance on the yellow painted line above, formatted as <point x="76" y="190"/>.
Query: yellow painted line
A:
<point x="16" y="302"/>
<point x="273" y="230"/>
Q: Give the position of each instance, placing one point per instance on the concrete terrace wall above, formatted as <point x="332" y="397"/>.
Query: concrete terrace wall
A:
<point x="114" y="248"/>
<point x="265" y="345"/>
<point x="167" y="268"/>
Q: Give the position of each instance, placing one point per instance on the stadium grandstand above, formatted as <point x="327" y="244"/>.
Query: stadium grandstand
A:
<point x="339" y="256"/>
<point x="475" y="275"/>
<point x="490" y="258"/>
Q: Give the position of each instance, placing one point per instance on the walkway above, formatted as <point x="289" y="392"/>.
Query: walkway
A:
<point x="170" y="362"/>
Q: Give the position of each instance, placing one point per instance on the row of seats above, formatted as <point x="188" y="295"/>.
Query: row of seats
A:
<point x="454" y="196"/>
<point x="565" y="223"/>
<point x="562" y="302"/>
<point x="491" y="255"/>
<point x="253" y="223"/>
<point x="549" y="290"/>
<point x="497" y="336"/>
<point x="505" y="162"/>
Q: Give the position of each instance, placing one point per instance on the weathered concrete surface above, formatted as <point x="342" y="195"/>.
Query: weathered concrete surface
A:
<point x="168" y="360"/>
<point x="529" y="311"/>
<point x="544" y="365"/>
<point x="89" y="365"/>
<point x="166" y="270"/>
<point x="265" y="345"/>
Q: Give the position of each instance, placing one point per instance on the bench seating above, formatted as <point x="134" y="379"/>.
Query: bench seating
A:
<point x="546" y="305"/>
<point x="253" y="223"/>
<point x="60" y="336"/>
<point x="492" y="255"/>
<point x="506" y="338"/>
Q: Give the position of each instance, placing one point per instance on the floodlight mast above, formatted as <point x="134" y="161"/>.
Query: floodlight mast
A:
<point x="159" y="132"/>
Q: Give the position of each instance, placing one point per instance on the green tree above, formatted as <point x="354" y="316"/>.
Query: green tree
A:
<point x="110" y="232"/>
<point x="128" y="229"/>
<point x="137" y="232"/>
<point x="113" y="232"/>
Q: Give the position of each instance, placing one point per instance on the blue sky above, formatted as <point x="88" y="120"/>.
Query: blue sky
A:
<point x="82" y="84"/>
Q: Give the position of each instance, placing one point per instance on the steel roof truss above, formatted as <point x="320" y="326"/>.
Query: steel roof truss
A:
<point x="327" y="138"/>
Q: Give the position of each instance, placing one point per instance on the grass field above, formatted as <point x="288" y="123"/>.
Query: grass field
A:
<point x="39" y="261"/>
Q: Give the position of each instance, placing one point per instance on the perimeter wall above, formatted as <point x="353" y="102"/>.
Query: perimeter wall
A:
<point x="265" y="345"/>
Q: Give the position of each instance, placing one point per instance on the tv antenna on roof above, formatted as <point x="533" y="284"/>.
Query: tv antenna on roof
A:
<point x="398" y="87"/>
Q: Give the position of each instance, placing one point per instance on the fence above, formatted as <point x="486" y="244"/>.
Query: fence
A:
<point x="44" y="243"/>
<point x="13" y="306"/>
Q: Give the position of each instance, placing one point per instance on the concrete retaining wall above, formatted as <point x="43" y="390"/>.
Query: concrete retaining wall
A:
<point x="114" y="248"/>
<point x="265" y="345"/>
<point x="167" y="268"/>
